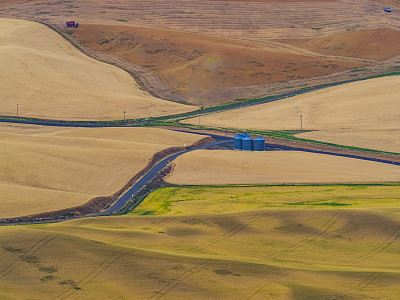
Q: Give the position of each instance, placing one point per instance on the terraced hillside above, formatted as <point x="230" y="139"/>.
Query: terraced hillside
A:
<point x="45" y="169"/>
<point x="220" y="71"/>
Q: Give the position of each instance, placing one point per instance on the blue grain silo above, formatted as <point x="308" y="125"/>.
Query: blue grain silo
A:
<point x="247" y="144"/>
<point x="259" y="144"/>
<point x="237" y="142"/>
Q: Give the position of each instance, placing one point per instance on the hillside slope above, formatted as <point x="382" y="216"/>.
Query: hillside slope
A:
<point x="49" y="78"/>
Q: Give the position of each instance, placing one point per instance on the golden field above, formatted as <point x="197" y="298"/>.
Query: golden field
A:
<point x="248" y="49"/>
<point x="49" y="78"/>
<point x="281" y="252"/>
<point x="362" y="114"/>
<point x="45" y="169"/>
<point x="274" y="167"/>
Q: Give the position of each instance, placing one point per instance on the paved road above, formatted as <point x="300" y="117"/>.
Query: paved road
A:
<point x="148" y="177"/>
<point x="151" y="174"/>
<point x="136" y="187"/>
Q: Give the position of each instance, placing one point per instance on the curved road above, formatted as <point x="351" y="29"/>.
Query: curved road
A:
<point x="151" y="174"/>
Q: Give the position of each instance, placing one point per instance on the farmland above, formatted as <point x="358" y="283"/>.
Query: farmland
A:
<point x="48" y="78"/>
<point x="252" y="253"/>
<point x="273" y="167"/>
<point x="202" y="200"/>
<point x="363" y="114"/>
<point x="248" y="49"/>
<point x="44" y="169"/>
<point x="213" y="224"/>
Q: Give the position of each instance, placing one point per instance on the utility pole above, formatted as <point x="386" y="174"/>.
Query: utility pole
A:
<point x="201" y="110"/>
<point x="17" y="109"/>
<point x="301" y="122"/>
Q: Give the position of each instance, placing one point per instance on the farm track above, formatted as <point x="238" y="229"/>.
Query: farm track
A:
<point x="148" y="81"/>
<point x="257" y="216"/>
<point x="27" y="254"/>
<point x="269" y="21"/>
<point x="69" y="291"/>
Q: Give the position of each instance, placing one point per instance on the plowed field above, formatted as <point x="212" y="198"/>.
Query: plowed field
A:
<point x="45" y="169"/>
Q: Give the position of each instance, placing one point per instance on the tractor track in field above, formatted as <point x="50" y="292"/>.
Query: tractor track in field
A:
<point x="365" y="43"/>
<point x="325" y="227"/>
<point x="179" y="279"/>
<point x="188" y="273"/>
<point x="28" y="253"/>
<point x="258" y="288"/>
<point x="69" y="291"/>
<point x="387" y="243"/>
<point x="360" y="286"/>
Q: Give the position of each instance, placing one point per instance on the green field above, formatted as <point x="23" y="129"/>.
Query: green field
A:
<point x="222" y="199"/>
<point x="334" y="242"/>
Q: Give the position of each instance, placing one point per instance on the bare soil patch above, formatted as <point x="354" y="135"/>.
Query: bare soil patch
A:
<point x="252" y="22"/>
<point x="192" y="64"/>
<point x="374" y="44"/>
<point x="6" y="3"/>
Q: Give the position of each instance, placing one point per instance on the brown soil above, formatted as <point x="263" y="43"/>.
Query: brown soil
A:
<point x="373" y="44"/>
<point x="99" y="204"/>
<point x="200" y="69"/>
<point x="389" y="2"/>
<point x="191" y="63"/>
<point x="6" y="3"/>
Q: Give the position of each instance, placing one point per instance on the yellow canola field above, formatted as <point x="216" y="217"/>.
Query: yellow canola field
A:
<point x="44" y="170"/>
<point x="363" y="114"/>
<point x="49" y="78"/>
<point x="211" y="167"/>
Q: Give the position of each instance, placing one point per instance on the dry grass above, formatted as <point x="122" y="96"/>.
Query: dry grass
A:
<point x="360" y="107"/>
<point x="210" y="167"/>
<point x="47" y="170"/>
<point x="49" y="78"/>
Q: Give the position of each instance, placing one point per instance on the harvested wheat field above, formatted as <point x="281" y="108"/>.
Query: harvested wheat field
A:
<point x="275" y="167"/>
<point x="43" y="169"/>
<point x="326" y="251"/>
<point x="48" y="78"/>
<point x="363" y="114"/>
<point x="219" y="51"/>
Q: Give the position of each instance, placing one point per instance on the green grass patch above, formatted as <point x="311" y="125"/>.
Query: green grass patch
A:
<point x="189" y="200"/>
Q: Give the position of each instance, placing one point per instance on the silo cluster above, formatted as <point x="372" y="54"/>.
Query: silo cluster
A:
<point x="244" y="142"/>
